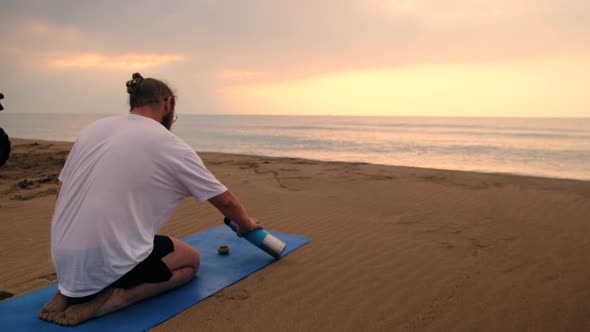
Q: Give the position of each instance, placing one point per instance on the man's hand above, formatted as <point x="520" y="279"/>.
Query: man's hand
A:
<point x="252" y="224"/>
<point x="229" y="205"/>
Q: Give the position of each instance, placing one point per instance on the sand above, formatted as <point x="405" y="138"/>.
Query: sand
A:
<point x="394" y="248"/>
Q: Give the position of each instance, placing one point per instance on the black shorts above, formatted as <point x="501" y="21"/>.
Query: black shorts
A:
<point x="150" y="270"/>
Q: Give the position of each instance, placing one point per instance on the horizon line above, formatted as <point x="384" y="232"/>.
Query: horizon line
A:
<point x="330" y="115"/>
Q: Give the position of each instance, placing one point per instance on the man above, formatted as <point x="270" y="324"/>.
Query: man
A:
<point x="4" y="141"/>
<point x="123" y="179"/>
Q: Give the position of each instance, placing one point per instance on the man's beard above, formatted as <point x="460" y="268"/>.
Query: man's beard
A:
<point x="167" y="120"/>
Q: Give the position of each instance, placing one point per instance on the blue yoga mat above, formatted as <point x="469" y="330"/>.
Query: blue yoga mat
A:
<point x="216" y="272"/>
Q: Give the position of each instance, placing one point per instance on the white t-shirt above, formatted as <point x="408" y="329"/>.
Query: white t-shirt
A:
<point x="124" y="177"/>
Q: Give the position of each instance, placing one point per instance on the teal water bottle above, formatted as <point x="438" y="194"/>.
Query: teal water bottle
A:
<point x="262" y="239"/>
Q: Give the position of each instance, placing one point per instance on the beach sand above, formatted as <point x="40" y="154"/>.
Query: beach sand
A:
<point x="394" y="248"/>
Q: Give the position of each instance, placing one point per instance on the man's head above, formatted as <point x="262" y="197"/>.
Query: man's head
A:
<point x="153" y="95"/>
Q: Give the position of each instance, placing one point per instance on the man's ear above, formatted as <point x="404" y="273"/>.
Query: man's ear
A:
<point x="168" y="104"/>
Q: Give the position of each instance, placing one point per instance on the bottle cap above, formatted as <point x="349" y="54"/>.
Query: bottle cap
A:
<point x="223" y="250"/>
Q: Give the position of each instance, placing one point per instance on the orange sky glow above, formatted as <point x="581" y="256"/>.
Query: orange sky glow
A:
<point x="335" y="57"/>
<point x="532" y="88"/>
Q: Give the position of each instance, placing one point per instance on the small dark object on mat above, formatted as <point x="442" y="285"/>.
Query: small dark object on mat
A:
<point x="223" y="250"/>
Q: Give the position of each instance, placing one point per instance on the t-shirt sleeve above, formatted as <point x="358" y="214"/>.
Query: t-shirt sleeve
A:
<point x="67" y="169"/>
<point x="196" y="178"/>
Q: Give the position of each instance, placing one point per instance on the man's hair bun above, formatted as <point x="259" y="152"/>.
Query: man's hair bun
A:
<point x="147" y="91"/>
<point x="133" y="83"/>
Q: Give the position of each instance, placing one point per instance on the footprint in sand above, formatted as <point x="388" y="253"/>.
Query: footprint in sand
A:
<point x="234" y="294"/>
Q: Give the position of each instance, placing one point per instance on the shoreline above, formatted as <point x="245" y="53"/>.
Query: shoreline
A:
<point x="31" y="140"/>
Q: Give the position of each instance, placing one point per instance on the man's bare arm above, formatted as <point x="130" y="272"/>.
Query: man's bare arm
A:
<point x="229" y="205"/>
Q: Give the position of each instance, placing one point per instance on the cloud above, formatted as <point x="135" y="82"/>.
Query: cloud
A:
<point x="230" y="76"/>
<point x="101" y="61"/>
<point x="454" y="10"/>
<point x="275" y="38"/>
<point x="204" y="45"/>
<point x="47" y="29"/>
<point x="47" y="45"/>
<point x="38" y="34"/>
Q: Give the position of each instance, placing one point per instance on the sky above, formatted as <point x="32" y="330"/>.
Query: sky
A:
<point x="520" y="58"/>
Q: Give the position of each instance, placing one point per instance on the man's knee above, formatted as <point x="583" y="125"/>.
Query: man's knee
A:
<point x="195" y="259"/>
<point x="183" y="255"/>
<point x="186" y="274"/>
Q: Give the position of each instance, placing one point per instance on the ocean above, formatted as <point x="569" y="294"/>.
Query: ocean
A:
<point x="557" y="147"/>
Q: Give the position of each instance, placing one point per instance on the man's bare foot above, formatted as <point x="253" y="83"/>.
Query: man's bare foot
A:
<point x="109" y="299"/>
<point x="56" y="305"/>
